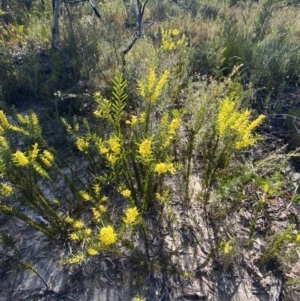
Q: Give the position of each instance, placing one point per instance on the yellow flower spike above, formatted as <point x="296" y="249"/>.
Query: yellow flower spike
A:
<point x="145" y="148"/>
<point x="92" y="252"/>
<point x="69" y="220"/>
<point x="130" y="215"/>
<point x="161" y="168"/>
<point x="3" y="120"/>
<point x="151" y="79"/>
<point x="225" y="111"/>
<point x="97" y="214"/>
<point x="141" y="88"/>
<point x="107" y="235"/>
<point x="102" y="209"/>
<point x="165" y="121"/>
<point x="48" y="155"/>
<point x="34" y="119"/>
<point x="241" y="123"/>
<point x="255" y="123"/>
<point x="298" y="238"/>
<point x="175" y="123"/>
<point x="20" y="159"/>
<point x="126" y="193"/>
<point x="34" y="152"/>
<point x="157" y="92"/>
<point x="96" y="188"/>
<point x="85" y="195"/>
<point x="3" y="143"/>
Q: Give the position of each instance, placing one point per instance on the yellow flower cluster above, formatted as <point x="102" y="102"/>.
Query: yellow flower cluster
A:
<point x="88" y="231"/>
<point x="115" y="145"/>
<point x="74" y="236"/>
<point x="4" y="124"/>
<point x="130" y="215"/>
<point x="231" y="121"/>
<point x="107" y="235"/>
<point x="47" y="158"/>
<point x="227" y="247"/>
<point x="170" y="40"/>
<point x="85" y="195"/>
<point x="111" y="149"/>
<point x="163" y="197"/>
<point x="78" y="224"/>
<point x="82" y="144"/>
<point x="103" y="110"/>
<point x="298" y="238"/>
<point x="126" y="193"/>
<point x="169" y="129"/>
<point x="69" y="219"/>
<point x="92" y="252"/>
<point x="162" y="168"/>
<point x="20" y="159"/>
<point x="153" y="88"/>
<point x="97" y="214"/>
<point x="133" y="121"/>
<point x="145" y="149"/>
<point x="6" y="190"/>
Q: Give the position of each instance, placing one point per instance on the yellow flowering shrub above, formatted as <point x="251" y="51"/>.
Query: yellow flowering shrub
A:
<point x="236" y="124"/>
<point x="171" y="40"/>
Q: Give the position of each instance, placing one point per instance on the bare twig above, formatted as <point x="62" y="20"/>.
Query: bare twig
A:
<point x="139" y="32"/>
